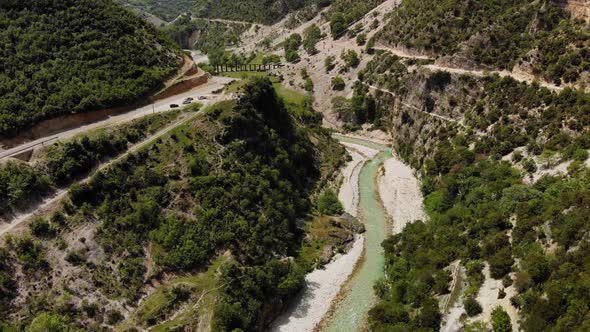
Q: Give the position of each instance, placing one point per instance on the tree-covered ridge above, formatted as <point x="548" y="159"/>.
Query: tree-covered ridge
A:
<point x="536" y="35"/>
<point x="62" y="57"/>
<point x="233" y="182"/>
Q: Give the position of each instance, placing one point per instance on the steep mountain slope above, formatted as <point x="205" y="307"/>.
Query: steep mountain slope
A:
<point x="62" y="57"/>
<point x="535" y="38"/>
<point x="258" y="11"/>
<point x="482" y="146"/>
<point x="222" y="193"/>
<point x="167" y="10"/>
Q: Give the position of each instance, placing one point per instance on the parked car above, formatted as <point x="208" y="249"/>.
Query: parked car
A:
<point x="173" y="106"/>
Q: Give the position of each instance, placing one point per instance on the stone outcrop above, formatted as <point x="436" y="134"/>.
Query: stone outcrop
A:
<point x="578" y="8"/>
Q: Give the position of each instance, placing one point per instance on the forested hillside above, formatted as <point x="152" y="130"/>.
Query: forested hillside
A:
<point x="482" y="146"/>
<point x="167" y="10"/>
<point x="537" y="37"/>
<point x="223" y="192"/>
<point x="258" y="11"/>
<point x="60" y="57"/>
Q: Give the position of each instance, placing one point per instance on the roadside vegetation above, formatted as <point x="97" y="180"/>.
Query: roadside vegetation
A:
<point x="60" y="164"/>
<point x="265" y="12"/>
<point x="343" y="13"/>
<point x="210" y="36"/>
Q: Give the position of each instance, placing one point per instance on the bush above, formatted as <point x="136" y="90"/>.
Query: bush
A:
<point x="291" y="56"/>
<point x="338" y="83"/>
<point x="351" y="60"/>
<point x="337" y="25"/>
<point x="329" y="63"/>
<point x="49" y="323"/>
<point x="501" y="320"/>
<point x="501" y="263"/>
<point x="472" y="307"/>
<point x="329" y="204"/>
<point x="41" y="228"/>
<point x="361" y="39"/>
<point x="529" y="165"/>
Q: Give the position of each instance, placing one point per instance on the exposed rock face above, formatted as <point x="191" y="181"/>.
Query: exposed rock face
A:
<point x="578" y="8"/>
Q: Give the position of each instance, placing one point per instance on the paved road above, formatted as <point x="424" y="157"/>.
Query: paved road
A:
<point x="160" y="106"/>
<point x="45" y="205"/>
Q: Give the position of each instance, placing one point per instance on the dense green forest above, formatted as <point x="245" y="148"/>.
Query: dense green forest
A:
<point x="62" y="57"/>
<point x="497" y="33"/>
<point x="235" y="185"/>
<point x="481" y="204"/>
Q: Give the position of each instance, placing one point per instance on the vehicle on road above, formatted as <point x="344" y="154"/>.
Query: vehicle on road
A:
<point x="202" y="97"/>
<point x="173" y="106"/>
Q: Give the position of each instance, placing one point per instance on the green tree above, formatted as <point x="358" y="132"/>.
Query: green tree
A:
<point x="337" y="24"/>
<point x="472" y="307"/>
<point x="501" y="320"/>
<point x="338" y="83"/>
<point x="329" y="204"/>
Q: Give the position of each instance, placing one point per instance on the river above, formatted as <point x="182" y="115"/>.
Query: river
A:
<point x="351" y="310"/>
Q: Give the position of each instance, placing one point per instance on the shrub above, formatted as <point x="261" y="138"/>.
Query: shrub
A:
<point x="329" y="63"/>
<point x="49" y="323"/>
<point x="351" y="59"/>
<point x="41" y="228"/>
<point x="501" y="320"/>
<point x="329" y="204"/>
<point x="338" y="83"/>
<point x="472" y="307"/>
<point x="361" y="39"/>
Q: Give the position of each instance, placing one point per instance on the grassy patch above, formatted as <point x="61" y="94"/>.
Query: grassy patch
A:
<point x="324" y="231"/>
<point x="198" y="301"/>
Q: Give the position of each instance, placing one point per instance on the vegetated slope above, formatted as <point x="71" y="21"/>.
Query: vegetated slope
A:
<point x="537" y="37"/>
<point x="257" y="11"/>
<point x="62" y="57"/>
<point x="476" y="142"/>
<point x="204" y="35"/>
<point x="167" y="10"/>
<point x="57" y="165"/>
<point x="233" y="182"/>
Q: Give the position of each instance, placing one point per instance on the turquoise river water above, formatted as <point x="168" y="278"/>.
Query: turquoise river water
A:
<point x="351" y="311"/>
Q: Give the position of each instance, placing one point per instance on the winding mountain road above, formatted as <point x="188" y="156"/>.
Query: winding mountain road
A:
<point x="160" y="106"/>
<point x="48" y="202"/>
